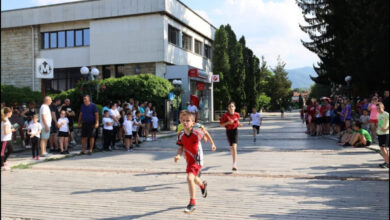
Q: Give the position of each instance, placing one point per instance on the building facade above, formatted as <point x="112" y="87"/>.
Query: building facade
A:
<point x="119" y="37"/>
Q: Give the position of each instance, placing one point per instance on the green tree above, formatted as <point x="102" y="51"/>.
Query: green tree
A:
<point x="221" y="67"/>
<point x="280" y="86"/>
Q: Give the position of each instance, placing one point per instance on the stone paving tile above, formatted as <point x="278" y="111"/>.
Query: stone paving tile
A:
<point x="284" y="175"/>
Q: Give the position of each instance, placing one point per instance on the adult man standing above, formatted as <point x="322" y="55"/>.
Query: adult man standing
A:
<point x="89" y="122"/>
<point x="45" y="118"/>
<point x="193" y="109"/>
<point x="55" y="114"/>
<point x="70" y="114"/>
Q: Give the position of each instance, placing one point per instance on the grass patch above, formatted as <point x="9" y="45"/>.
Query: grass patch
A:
<point x="22" y="166"/>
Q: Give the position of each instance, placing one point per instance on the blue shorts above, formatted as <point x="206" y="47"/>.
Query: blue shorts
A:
<point x="44" y="134"/>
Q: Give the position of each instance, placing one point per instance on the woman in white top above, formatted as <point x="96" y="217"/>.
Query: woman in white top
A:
<point x="63" y="125"/>
<point x="128" y="131"/>
<point x="148" y="120"/>
<point x="6" y="137"/>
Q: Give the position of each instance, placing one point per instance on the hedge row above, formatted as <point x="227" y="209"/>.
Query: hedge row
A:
<point x="142" y="87"/>
<point x="10" y="94"/>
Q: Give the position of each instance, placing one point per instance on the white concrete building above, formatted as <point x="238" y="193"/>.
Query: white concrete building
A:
<point x="119" y="37"/>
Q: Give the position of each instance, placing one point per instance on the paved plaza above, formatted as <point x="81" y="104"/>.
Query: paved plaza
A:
<point x="284" y="175"/>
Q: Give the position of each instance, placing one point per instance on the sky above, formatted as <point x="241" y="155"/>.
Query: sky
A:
<point x="270" y="27"/>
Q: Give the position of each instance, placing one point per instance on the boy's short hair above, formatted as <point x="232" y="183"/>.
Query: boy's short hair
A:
<point x="192" y="115"/>
<point x="128" y="113"/>
<point x="137" y="112"/>
<point x="358" y="124"/>
<point x="232" y="102"/>
<point x="34" y="116"/>
<point x="105" y="111"/>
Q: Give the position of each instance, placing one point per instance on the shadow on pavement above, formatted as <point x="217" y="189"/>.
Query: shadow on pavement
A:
<point x="146" y="214"/>
<point x="133" y="189"/>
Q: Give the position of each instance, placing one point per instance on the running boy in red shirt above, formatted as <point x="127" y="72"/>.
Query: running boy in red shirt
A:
<point x="230" y="120"/>
<point x="189" y="142"/>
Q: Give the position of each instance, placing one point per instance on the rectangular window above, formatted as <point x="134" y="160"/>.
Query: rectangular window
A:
<point x="173" y="35"/>
<point x="86" y="37"/>
<point x="79" y="38"/>
<point x="198" y="47"/>
<point x="207" y="51"/>
<point x="53" y="40"/>
<point x="187" y="42"/>
<point x="45" y="39"/>
<point x="61" y="39"/>
<point x="70" y="38"/>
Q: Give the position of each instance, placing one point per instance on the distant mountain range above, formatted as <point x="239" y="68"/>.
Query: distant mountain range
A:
<point x="300" y="77"/>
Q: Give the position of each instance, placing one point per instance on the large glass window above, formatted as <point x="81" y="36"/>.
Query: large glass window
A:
<point x="79" y="38"/>
<point x="70" y="38"/>
<point x="207" y="51"/>
<point x="173" y="35"/>
<point x="45" y="38"/>
<point x="86" y="37"/>
<point x="53" y="40"/>
<point x="198" y="47"/>
<point x="61" y="39"/>
<point x="187" y="42"/>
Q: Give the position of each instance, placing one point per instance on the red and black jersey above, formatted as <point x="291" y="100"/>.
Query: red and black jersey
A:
<point x="228" y="117"/>
<point x="192" y="146"/>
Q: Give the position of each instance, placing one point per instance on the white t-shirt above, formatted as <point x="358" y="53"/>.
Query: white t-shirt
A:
<point x="65" y="127"/>
<point x="136" y="122"/>
<point x="45" y="110"/>
<point x="256" y="117"/>
<point x="128" y="125"/>
<point x="34" y="128"/>
<point x="130" y="106"/>
<point x="134" y="111"/>
<point x="155" y="122"/>
<point x="107" y="120"/>
<point x="6" y="137"/>
<point x="150" y="112"/>
<point x="192" y="108"/>
<point x="115" y="113"/>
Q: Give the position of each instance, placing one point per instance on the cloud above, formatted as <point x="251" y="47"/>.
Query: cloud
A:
<point x="270" y="29"/>
<point x="50" y="2"/>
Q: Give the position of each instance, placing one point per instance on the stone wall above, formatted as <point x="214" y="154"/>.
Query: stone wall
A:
<point x="17" y="61"/>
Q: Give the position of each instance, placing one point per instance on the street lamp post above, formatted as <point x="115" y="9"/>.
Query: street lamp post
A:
<point x="91" y="76"/>
<point x="348" y="80"/>
<point x="177" y="84"/>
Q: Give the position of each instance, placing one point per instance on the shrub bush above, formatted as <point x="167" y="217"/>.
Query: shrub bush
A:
<point x="10" y="94"/>
<point x="143" y="87"/>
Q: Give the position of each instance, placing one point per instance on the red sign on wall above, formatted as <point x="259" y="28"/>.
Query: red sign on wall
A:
<point x="200" y="86"/>
<point x="193" y="73"/>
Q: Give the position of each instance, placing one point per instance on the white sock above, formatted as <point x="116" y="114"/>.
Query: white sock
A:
<point x="235" y="164"/>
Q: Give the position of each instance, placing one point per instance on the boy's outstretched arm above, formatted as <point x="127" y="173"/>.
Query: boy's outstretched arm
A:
<point x="179" y="152"/>
<point x="209" y="138"/>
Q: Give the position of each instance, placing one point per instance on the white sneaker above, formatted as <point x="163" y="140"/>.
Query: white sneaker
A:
<point x="148" y="139"/>
<point x="73" y="142"/>
<point x="28" y="146"/>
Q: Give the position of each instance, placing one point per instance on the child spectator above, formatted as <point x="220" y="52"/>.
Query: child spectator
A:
<point x="128" y="131"/>
<point x="34" y="132"/>
<point x="27" y="123"/>
<point x="361" y="137"/>
<point x="346" y="136"/>
<point x="136" y="126"/>
<point x="373" y="117"/>
<point x="155" y="126"/>
<point x="383" y="133"/>
<point x="189" y="142"/>
<point x="114" y="114"/>
<point x="6" y="137"/>
<point x="107" y="130"/>
<point x="63" y="126"/>
<point x="365" y="120"/>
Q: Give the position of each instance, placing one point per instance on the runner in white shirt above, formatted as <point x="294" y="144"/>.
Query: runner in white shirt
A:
<point x="193" y="109"/>
<point x="63" y="125"/>
<point x="128" y="131"/>
<point x="257" y="119"/>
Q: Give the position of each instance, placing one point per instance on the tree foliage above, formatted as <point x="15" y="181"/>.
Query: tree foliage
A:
<point x="350" y="38"/>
